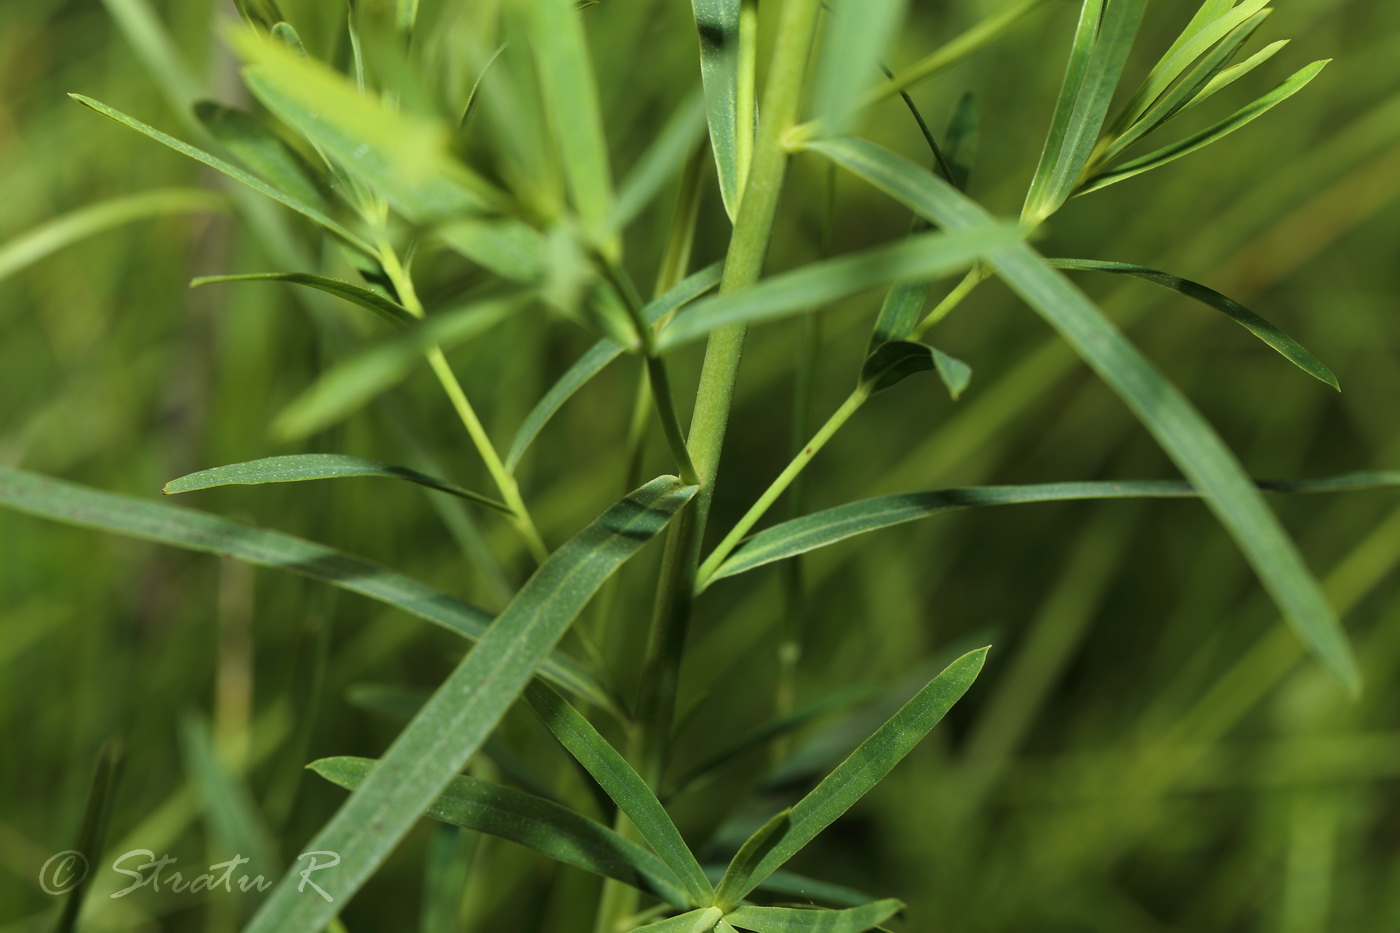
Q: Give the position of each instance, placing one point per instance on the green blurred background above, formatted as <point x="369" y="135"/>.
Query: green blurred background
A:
<point x="1147" y="751"/>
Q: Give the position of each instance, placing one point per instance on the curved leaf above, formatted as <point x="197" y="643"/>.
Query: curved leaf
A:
<point x="897" y="360"/>
<point x="193" y="530"/>
<point x="386" y="308"/>
<point x="295" y="468"/>
<point x="454" y="723"/>
<point x="533" y="822"/>
<point x="1286" y="346"/>
<point x="807" y="920"/>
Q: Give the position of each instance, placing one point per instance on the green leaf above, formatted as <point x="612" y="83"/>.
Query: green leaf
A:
<point x="867" y="765"/>
<point x="1232" y="74"/>
<point x="701" y="920"/>
<point x="855" y="37"/>
<point x="93" y="832"/>
<point x="1286" y="346"/>
<point x="791" y="920"/>
<point x="661" y="161"/>
<point x="735" y="883"/>
<point x="230" y="813"/>
<point x="599" y="356"/>
<point x="961" y="140"/>
<point x="535" y="823"/>
<point x="899" y="312"/>
<point x="346" y="387"/>
<point x="819" y="529"/>
<point x="285" y="33"/>
<point x="400" y="156"/>
<point x="823" y="283"/>
<point x="897" y="360"/>
<point x="232" y="171"/>
<point x="193" y="530"/>
<point x="257" y="147"/>
<point x="509" y="248"/>
<point x="624" y="786"/>
<point x="295" y="468"/>
<point x="1101" y="45"/>
<point x="717" y="22"/>
<point x="452" y="726"/>
<point x="33" y="245"/>
<point x="1185" y="436"/>
<point x="386" y="308"/>
<point x="803" y="889"/>
<point x="1205" y="137"/>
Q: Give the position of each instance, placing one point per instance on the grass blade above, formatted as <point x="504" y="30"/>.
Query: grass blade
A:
<point x="1102" y="41"/>
<point x="820" y="284"/>
<point x="829" y="526"/>
<point x="1286" y="346"/>
<point x="228" y="806"/>
<point x="535" y="823"/>
<point x="855" y="36"/>
<point x="296" y="468"/>
<point x="792" y="920"/>
<point x="624" y="786"/>
<point x="452" y="726"/>
<point x="232" y="171"/>
<point x="599" y="356"/>
<point x="33" y="245"/>
<point x="386" y="308"/>
<point x="717" y="21"/>
<point x="962" y="139"/>
<point x="1245" y="115"/>
<point x="1183" y="434"/>
<point x="868" y="764"/>
<point x="91" y="835"/>
<point x="193" y="530"/>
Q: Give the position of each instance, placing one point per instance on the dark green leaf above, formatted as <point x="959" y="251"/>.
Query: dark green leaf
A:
<point x="717" y="21"/>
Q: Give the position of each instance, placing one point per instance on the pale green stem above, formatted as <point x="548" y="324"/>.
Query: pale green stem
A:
<point x="969" y="283"/>
<point x="753" y="227"/>
<point x="770" y="495"/>
<point x="505" y="482"/>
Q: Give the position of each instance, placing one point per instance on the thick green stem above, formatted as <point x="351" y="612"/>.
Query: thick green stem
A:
<point x="770" y="495"/>
<point x="753" y="228"/>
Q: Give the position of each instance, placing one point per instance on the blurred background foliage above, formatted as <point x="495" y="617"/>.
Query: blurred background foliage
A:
<point x="1147" y="750"/>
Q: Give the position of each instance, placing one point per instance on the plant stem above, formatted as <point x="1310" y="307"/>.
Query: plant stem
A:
<point x="748" y="246"/>
<point x="975" y="277"/>
<point x="770" y="495"/>
<point x="505" y="482"/>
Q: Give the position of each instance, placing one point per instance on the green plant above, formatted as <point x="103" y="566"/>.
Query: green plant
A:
<point x="518" y="190"/>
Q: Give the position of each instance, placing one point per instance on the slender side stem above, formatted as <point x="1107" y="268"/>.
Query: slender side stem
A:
<point x="969" y="283"/>
<point x="770" y="495"/>
<point x="748" y="246"/>
<point x="505" y="482"/>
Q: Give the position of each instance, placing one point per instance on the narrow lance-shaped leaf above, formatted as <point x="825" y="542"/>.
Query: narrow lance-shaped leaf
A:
<point x="232" y="171"/>
<point x="822" y="283"/>
<point x="1185" y="436"/>
<point x="793" y="920"/>
<point x="829" y="526"/>
<point x="1190" y="144"/>
<point x="598" y="356"/>
<point x="92" y="834"/>
<point x="535" y="823"/>
<point x="452" y="726"/>
<point x="804" y="890"/>
<point x="296" y="468"/>
<point x="385" y="308"/>
<point x="1286" y="346"/>
<point x="621" y="783"/>
<point x="257" y="147"/>
<point x="1232" y="74"/>
<point x="193" y="530"/>
<point x="735" y="883"/>
<point x="717" y="22"/>
<point x="701" y="920"/>
<point x="866" y="766"/>
<point x="856" y="34"/>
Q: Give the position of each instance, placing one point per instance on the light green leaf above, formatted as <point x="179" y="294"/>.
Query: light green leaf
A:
<point x="33" y="245"/>
<point x="717" y="22"/>
<point x="1232" y="74"/>
<point x="661" y="161"/>
<point x="285" y="33"/>
<point x="792" y="920"/>
<point x="346" y="387"/>
<point x="509" y="248"/>
<point x="624" y="786"/>
<point x="599" y="356"/>
<point x="1286" y="346"/>
<point x="232" y="171"/>
<point x="257" y="147"/>
<point x="821" y="284"/>
<point x="533" y="822"/>
<point x="1190" y="144"/>
<point x="1185" y="436"/>
<point x="867" y="765"/>
<point x="696" y="921"/>
<point x="855" y="37"/>
<point x="452" y="726"/>
<point x="1101" y="45"/>
<point x="295" y="468"/>
<point x="571" y="95"/>
<point x="193" y="530"/>
<point x="386" y="308"/>
<point x="735" y="883"/>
